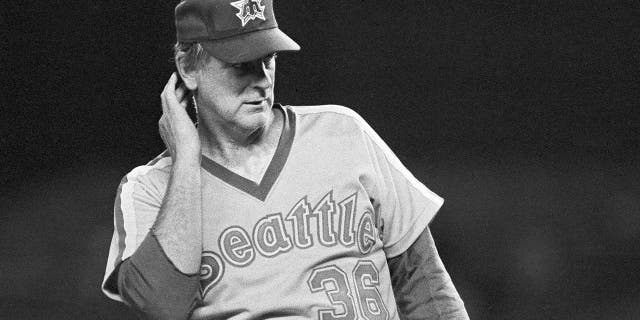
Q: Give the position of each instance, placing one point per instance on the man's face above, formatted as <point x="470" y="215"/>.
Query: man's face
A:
<point x="239" y="96"/>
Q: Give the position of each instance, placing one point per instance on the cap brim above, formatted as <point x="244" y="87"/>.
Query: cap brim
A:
<point x="250" y="46"/>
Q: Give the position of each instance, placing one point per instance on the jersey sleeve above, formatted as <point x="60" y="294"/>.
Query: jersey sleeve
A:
<point x="138" y="201"/>
<point x="404" y="206"/>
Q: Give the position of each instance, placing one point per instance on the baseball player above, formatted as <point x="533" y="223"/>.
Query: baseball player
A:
<point x="263" y="210"/>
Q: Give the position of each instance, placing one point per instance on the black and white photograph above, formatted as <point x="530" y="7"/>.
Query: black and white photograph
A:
<point x="414" y="160"/>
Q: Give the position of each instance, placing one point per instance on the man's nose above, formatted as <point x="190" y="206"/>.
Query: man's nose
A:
<point x="260" y="70"/>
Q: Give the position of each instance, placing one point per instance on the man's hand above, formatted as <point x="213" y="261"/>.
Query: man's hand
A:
<point x="176" y="129"/>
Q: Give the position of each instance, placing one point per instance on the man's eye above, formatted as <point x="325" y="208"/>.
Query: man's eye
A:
<point x="270" y="57"/>
<point x="238" y="65"/>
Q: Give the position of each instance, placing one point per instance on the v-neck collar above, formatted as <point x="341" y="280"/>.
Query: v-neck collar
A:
<point x="261" y="190"/>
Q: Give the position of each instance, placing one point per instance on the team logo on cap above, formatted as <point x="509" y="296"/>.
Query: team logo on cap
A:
<point x="249" y="10"/>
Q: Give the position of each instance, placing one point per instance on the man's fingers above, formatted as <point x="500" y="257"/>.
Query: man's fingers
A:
<point x="171" y="84"/>
<point x="179" y="93"/>
<point x="173" y="97"/>
<point x="182" y="93"/>
<point x="163" y="102"/>
<point x="168" y="91"/>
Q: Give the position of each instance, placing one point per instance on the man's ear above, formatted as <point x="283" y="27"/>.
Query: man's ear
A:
<point x="188" y="75"/>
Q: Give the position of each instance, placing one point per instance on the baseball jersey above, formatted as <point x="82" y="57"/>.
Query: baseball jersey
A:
<point x="310" y="240"/>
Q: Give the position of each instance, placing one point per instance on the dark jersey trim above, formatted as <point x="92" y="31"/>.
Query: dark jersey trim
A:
<point x="153" y="285"/>
<point x="260" y="191"/>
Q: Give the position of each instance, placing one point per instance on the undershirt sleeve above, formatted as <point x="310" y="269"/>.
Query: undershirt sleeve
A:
<point x="421" y="284"/>
<point x="154" y="287"/>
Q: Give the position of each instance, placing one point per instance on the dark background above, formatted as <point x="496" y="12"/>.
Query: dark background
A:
<point x="522" y="115"/>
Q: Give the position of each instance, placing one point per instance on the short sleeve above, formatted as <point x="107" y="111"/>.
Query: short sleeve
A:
<point x="138" y="201"/>
<point x="404" y="205"/>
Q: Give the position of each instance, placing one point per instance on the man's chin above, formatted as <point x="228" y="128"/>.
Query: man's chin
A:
<point x="257" y="118"/>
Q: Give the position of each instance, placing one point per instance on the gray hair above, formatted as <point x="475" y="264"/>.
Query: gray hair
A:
<point x="190" y="54"/>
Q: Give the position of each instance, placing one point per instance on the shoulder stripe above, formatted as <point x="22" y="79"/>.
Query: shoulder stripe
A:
<point x="118" y="224"/>
<point x="123" y="243"/>
<point x="389" y="155"/>
<point x="127" y="210"/>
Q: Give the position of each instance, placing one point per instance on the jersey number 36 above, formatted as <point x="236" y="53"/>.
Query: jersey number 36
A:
<point x="334" y="282"/>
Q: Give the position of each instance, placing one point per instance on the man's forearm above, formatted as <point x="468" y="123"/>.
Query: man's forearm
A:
<point x="178" y="225"/>
<point x="421" y="284"/>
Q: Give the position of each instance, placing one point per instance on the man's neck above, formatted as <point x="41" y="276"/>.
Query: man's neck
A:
<point x="245" y="153"/>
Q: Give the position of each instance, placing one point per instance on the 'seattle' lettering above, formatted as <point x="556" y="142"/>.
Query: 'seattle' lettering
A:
<point x="270" y="236"/>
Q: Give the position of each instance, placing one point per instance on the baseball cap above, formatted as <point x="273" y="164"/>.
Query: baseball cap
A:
<point x="232" y="31"/>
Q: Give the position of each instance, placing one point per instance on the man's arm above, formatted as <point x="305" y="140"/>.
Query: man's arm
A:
<point x="160" y="280"/>
<point x="422" y="286"/>
<point x="178" y="225"/>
